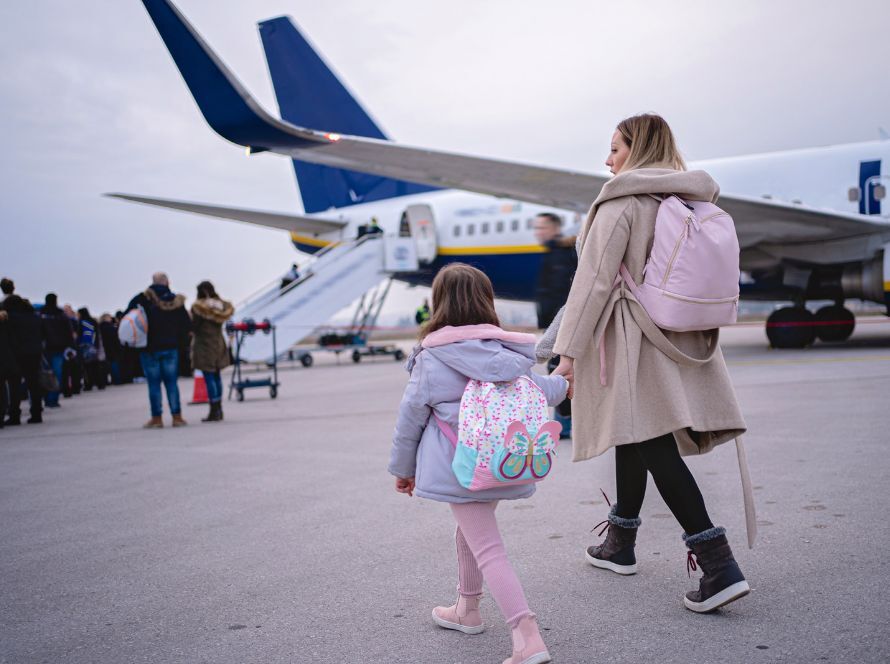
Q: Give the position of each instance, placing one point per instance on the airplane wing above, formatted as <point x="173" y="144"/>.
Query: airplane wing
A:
<point x="235" y="115"/>
<point x="287" y="222"/>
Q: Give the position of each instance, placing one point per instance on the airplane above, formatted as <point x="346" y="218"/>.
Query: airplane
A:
<point x="812" y="223"/>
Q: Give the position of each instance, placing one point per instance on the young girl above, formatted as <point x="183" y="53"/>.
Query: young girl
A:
<point x="463" y="341"/>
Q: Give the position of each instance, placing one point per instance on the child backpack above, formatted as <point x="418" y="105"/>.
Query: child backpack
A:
<point x="691" y="279"/>
<point x="133" y="328"/>
<point x="504" y="435"/>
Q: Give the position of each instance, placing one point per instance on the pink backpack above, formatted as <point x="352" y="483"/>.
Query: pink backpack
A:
<point x="691" y="280"/>
<point x="504" y="435"/>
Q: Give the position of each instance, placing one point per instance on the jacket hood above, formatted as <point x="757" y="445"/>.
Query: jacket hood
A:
<point x="163" y="298"/>
<point x="693" y="185"/>
<point x="211" y="308"/>
<point x="481" y="352"/>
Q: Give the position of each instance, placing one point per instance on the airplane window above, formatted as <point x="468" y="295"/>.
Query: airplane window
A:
<point x="514" y="225"/>
<point x="471" y="229"/>
<point x="499" y="227"/>
<point x="529" y="223"/>
<point x="456" y="230"/>
<point x="485" y="227"/>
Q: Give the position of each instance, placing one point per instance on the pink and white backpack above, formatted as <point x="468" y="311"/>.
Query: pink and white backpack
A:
<point x="504" y="435"/>
<point x="691" y="279"/>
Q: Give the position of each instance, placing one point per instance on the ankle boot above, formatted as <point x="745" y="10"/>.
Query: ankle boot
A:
<point x="154" y="423"/>
<point x="13" y="420"/>
<point x="723" y="581"/>
<point x="528" y="646"/>
<point x="463" y="616"/>
<point x="215" y="414"/>
<point x="178" y="420"/>
<point x="616" y="553"/>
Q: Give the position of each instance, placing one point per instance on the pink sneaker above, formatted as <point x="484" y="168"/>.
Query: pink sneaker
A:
<point x="463" y="616"/>
<point x="528" y="646"/>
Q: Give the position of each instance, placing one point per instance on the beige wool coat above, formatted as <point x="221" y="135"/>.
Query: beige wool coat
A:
<point x="647" y="393"/>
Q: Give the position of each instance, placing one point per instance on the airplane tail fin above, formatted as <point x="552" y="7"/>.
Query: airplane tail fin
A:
<point x="309" y="94"/>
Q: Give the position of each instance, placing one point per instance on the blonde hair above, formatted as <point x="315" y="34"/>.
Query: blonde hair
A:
<point x="651" y="142"/>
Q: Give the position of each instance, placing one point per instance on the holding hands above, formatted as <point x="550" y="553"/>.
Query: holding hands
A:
<point x="566" y="369"/>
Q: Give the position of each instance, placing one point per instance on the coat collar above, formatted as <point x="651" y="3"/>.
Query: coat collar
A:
<point x="694" y="185"/>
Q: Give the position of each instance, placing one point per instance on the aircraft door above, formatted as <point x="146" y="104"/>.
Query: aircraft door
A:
<point x="418" y="223"/>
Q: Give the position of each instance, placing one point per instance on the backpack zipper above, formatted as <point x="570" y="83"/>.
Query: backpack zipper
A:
<point x="685" y="235"/>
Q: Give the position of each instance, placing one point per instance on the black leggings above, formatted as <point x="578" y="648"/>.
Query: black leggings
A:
<point x="675" y="483"/>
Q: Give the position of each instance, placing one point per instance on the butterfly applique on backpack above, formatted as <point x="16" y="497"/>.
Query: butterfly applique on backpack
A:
<point x="504" y="435"/>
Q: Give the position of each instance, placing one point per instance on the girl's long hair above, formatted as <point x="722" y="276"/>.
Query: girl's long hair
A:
<point x="651" y="143"/>
<point x="206" y="289"/>
<point x="462" y="295"/>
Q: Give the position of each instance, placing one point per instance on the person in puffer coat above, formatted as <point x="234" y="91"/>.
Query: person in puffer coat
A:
<point x="463" y="341"/>
<point x="210" y="355"/>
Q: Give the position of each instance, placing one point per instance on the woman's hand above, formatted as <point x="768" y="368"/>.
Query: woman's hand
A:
<point x="405" y="485"/>
<point x="566" y="369"/>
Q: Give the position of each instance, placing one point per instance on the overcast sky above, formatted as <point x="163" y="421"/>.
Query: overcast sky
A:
<point x="91" y="102"/>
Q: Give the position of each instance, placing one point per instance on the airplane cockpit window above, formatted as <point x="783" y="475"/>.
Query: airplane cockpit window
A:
<point x="485" y="227"/>
<point x="471" y="229"/>
<point x="514" y="225"/>
<point x="499" y="227"/>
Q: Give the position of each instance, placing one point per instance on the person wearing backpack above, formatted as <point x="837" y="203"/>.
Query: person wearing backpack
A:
<point x="650" y="393"/>
<point x="463" y="349"/>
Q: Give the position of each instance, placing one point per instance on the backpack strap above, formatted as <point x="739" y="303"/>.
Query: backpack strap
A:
<point x="447" y="430"/>
<point x="654" y="333"/>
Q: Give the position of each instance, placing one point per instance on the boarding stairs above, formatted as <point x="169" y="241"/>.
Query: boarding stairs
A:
<point x="334" y="277"/>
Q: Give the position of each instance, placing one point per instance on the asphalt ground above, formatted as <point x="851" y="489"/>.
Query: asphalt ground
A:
<point x="276" y="536"/>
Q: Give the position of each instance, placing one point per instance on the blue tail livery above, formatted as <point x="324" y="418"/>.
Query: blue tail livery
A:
<point x="310" y="95"/>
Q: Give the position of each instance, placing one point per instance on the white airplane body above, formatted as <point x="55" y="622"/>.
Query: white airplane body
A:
<point x="812" y="223"/>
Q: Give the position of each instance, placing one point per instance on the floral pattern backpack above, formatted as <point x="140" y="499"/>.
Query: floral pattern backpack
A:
<point x="504" y="435"/>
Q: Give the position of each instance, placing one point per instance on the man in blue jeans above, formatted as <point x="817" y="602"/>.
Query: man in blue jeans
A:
<point x="169" y="326"/>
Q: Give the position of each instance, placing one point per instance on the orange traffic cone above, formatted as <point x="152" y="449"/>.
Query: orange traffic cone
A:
<point x="199" y="392"/>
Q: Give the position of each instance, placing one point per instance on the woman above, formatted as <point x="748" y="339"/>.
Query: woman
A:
<point x="649" y="407"/>
<point x="209" y="352"/>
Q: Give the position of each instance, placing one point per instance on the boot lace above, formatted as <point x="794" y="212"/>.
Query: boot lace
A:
<point x="605" y="522"/>
<point x="690" y="563"/>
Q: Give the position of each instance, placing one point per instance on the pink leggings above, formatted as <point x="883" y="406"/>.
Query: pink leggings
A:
<point x="481" y="554"/>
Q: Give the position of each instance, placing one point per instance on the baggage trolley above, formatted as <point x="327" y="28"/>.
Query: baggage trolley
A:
<point x="242" y="331"/>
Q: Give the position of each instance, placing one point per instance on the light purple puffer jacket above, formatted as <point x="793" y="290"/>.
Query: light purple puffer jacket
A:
<point x="439" y="373"/>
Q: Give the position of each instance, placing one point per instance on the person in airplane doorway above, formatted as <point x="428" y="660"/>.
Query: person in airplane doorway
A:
<point x="627" y="393"/>
<point x="210" y="355"/>
<point x="462" y="342"/>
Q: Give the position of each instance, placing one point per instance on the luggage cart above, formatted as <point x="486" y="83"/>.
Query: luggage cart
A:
<point x="355" y="339"/>
<point x="246" y="328"/>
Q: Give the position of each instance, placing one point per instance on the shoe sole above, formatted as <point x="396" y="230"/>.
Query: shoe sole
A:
<point x="724" y="597"/>
<point x="623" y="570"/>
<point x="466" y="629"/>
<point x="539" y="658"/>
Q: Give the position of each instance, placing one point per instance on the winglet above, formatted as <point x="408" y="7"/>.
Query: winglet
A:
<point x="224" y="102"/>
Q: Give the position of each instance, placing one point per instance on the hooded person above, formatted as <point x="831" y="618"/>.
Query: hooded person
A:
<point x="210" y="354"/>
<point x="168" y="326"/>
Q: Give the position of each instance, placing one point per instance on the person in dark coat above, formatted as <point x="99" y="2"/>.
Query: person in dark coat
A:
<point x="72" y="368"/>
<point x="112" y="347"/>
<point x="26" y="335"/>
<point x="91" y="351"/>
<point x="168" y="327"/>
<point x="557" y="269"/>
<point x="58" y="335"/>
<point x="210" y="355"/>
<point x="8" y="366"/>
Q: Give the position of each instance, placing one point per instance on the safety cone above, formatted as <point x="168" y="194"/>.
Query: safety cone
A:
<point x="199" y="392"/>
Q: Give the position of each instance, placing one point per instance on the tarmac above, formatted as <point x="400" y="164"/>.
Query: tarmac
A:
<point x="276" y="536"/>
